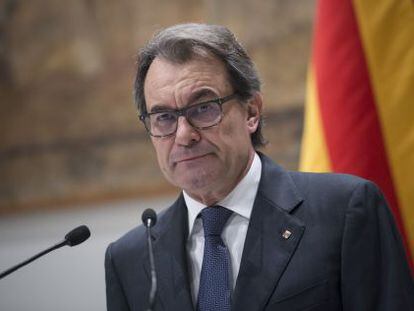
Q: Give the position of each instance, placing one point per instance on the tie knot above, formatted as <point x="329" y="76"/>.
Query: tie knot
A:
<point x="214" y="219"/>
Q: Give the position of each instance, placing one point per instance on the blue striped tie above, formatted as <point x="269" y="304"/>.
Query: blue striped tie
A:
<point x="215" y="288"/>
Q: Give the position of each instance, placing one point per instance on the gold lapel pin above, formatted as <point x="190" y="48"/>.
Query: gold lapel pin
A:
<point x="286" y="235"/>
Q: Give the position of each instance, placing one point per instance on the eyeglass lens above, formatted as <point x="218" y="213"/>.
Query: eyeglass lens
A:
<point x="201" y="115"/>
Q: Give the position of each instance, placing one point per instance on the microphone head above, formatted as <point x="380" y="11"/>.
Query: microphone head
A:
<point x="149" y="214"/>
<point x="77" y="235"/>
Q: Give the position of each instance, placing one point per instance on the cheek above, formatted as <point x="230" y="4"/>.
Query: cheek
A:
<point x="235" y="133"/>
<point x="161" y="151"/>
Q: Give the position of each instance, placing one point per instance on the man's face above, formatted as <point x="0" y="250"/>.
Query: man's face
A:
<point x="206" y="163"/>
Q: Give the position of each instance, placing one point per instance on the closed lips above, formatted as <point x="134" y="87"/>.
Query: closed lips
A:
<point x="191" y="158"/>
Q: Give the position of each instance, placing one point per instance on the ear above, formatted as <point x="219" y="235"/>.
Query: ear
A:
<point x="254" y="111"/>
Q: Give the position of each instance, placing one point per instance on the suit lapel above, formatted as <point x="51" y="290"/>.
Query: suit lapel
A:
<point x="268" y="246"/>
<point x="171" y="259"/>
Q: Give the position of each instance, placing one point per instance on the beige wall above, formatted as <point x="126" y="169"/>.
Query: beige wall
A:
<point x="68" y="127"/>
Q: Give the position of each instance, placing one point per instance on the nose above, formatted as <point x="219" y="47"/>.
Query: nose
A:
<point x="186" y="135"/>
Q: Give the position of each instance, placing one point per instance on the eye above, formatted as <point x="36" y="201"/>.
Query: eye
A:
<point x="202" y="109"/>
<point x="162" y="117"/>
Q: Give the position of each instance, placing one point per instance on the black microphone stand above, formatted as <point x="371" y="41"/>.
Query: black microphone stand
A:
<point x="74" y="237"/>
<point x="153" y="273"/>
<point x="149" y="218"/>
<point x="27" y="261"/>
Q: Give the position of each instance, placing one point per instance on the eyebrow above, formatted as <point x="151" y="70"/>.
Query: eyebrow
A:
<point x="196" y="96"/>
<point x="160" y="108"/>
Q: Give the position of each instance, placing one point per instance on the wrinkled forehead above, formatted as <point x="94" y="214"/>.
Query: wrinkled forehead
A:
<point x="198" y="55"/>
<point x="166" y="78"/>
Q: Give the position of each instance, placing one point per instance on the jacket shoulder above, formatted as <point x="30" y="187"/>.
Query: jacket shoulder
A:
<point x="329" y="184"/>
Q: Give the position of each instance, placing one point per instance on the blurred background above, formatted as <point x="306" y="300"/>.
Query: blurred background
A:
<point x="71" y="148"/>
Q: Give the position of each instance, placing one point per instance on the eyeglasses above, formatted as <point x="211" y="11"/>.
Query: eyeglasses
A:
<point x="200" y="116"/>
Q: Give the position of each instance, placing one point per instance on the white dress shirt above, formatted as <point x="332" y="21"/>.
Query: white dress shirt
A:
<point x="240" y="202"/>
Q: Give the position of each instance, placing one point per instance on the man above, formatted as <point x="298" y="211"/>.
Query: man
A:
<point x="245" y="234"/>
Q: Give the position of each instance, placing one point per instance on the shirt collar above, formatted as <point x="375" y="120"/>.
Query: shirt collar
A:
<point x="240" y="200"/>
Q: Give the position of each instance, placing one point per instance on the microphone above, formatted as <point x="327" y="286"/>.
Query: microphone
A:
<point x="149" y="218"/>
<point x="74" y="237"/>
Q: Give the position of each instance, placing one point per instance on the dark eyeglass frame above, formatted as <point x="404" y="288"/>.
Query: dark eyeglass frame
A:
<point x="183" y="112"/>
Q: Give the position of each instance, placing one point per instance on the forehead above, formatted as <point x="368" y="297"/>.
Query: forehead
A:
<point x="166" y="79"/>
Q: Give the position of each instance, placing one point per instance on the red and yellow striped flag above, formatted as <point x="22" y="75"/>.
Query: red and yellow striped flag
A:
<point x="360" y="101"/>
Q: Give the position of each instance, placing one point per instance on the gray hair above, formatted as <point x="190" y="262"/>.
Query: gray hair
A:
<point x="180" y="43"/>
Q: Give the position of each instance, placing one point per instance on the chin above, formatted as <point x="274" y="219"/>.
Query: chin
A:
<point x="199" y="181"/>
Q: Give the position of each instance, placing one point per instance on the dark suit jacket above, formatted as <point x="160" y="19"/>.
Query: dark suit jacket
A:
<point x="344" y="252"/>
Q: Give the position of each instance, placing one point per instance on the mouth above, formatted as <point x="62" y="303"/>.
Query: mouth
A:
<point x="191" y="158"/>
